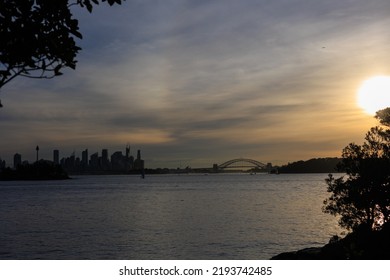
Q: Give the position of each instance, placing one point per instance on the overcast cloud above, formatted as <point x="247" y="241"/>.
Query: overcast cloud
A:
<point x="202" y="82"/>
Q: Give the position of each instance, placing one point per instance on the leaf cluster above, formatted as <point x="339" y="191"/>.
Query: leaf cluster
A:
<point x="89" y="3"/>
<point x="38" y="37"/>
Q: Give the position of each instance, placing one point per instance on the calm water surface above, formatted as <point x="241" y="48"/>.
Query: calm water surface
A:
<point x="222" y="216"/>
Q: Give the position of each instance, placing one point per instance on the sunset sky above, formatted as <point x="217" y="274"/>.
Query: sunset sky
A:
<point x="200" y="82"/>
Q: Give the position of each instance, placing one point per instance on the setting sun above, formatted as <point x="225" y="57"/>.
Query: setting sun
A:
<point x="374" y="94"/>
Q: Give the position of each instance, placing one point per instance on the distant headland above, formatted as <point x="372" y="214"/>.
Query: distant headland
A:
<point x="314" y="165"/>
<point x="40" y="170"/>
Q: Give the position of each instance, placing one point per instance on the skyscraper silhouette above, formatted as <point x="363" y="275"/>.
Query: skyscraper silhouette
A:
<point x="37" y="149"/>
<point x="56" y="156"/>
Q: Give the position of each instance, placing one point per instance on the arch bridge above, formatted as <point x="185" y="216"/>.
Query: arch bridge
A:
<point x="242" y="163"/>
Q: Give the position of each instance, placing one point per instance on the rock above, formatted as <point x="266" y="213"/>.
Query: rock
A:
<point x="362" y="244"/>
<point x="313" y="253"/>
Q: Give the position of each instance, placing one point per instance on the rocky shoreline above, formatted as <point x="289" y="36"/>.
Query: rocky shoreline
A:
<point x="362" y="244"/>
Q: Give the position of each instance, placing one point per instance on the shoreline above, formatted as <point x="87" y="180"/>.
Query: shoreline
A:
<point x="361" y="244"/>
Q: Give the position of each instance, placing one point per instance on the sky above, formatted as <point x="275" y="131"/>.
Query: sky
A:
<point x="194" y="82"/>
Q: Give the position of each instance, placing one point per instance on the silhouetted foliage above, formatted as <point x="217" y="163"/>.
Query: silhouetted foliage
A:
<point x="38" y="37"/>
<point x="362" y="197"/>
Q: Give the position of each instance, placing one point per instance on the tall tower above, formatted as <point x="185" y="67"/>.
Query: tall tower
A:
<point x="56" y="156"/>
<point x="37" y="149"/>
<point x="17" y="160"/>
<point x="139" y="163"/>
<point x="84" y="158"/>
<point x="105" y="161"/>
<point x="127" y="151"/>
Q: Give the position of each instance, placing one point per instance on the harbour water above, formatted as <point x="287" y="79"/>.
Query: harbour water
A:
<point x="218" y="216"/>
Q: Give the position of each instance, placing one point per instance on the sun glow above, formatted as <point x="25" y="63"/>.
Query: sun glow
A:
<point x="374" y="94"/>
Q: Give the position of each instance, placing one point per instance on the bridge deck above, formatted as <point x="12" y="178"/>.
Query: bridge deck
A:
<point x="241" y="163"/>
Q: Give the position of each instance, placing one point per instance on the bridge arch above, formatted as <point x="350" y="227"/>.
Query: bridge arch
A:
<point x="242" y="162"/>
